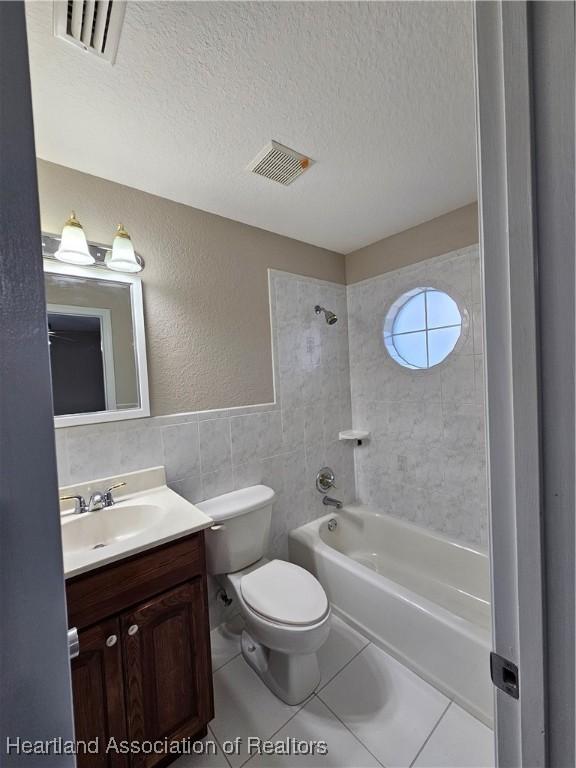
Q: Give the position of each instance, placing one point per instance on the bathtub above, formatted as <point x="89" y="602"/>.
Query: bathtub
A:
<point x="421" y="596"/>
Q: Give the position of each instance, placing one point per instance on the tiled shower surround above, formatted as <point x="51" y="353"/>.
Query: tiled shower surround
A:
<point x="282" y="445"/>
<point x="426" y="458"/>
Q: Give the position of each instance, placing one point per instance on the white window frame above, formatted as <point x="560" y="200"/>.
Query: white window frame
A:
<point x="390" y="319"/>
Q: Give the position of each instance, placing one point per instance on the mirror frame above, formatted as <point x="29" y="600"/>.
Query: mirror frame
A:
<point x="137" y="306"/>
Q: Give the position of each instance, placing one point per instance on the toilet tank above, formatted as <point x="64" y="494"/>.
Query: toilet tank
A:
<point x="241" y="527"/>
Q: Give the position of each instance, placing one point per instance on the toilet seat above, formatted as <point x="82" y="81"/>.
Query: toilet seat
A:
<point x="284" y="593"/>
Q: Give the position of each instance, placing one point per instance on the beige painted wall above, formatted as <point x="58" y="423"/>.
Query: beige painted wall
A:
<point x="446" y="233"/>
<point x="205" y="287"/>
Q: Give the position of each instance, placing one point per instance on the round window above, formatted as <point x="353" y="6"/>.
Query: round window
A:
<point x="422" y="328"/>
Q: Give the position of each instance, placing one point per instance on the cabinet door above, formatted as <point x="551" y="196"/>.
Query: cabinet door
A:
<point x="167" y="667"/>
<point x="97" y="689"/>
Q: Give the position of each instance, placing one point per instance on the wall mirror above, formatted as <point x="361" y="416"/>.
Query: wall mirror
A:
<point x="97" y="345"/>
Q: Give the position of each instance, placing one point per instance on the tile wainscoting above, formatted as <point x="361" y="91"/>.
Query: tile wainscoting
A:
<point x="426" y="459"/>
<point x="282" y="445"/>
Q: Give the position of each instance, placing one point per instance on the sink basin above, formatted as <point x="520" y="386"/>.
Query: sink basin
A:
<point x="97" y="530"/>
<point x="147" y="515"/>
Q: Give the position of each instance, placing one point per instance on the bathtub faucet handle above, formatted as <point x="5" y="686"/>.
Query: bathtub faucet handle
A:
<point x="325" y="480"/>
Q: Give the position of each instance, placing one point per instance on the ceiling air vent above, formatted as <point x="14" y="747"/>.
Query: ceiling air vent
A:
<point x="279" y="163"/>
<point x="93" y="25"/>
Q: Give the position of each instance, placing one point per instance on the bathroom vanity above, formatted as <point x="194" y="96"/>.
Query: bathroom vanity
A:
<point x="143" y="672"/>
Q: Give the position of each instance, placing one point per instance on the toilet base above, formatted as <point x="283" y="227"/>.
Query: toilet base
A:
<point x="291" y="677"/>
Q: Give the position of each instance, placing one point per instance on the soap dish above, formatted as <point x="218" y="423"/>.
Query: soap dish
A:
<point x="357" y="435"/>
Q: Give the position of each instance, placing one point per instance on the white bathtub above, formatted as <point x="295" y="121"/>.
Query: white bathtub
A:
<point x="419" y="595"/>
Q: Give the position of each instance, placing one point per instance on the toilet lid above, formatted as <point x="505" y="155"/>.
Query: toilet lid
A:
<point x="285" y="593"/>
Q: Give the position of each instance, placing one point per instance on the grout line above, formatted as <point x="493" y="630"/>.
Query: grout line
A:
<point x="357" y="738"/>
<point x="251" y="757"/>
<point x="226" y="663"/>
<point x="217" y="740"/>
<point x="231" y="451"/>
<point x="430" y="734"/>
<point x="300" y="708"/>
<point x="321" y="688"/>
<point x="213" y="735"/>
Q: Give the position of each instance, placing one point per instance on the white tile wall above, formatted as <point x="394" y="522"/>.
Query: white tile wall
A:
<point x="282" y="445"/>
<point x="426" y="457"/>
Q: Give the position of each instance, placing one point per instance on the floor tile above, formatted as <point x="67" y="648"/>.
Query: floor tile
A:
<point x="389" y="708"/>
<point x="245" y="707"/>
<point x="342" y="645"/>
<point x="315" y="722"/>
<point x="225" y="641"/>
<point x="459" y="741"/>
<point x="213" y="756"/>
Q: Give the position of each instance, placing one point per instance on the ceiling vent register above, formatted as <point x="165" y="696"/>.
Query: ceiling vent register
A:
<point x="279" y="163"/>
<point x="92" y="25"/>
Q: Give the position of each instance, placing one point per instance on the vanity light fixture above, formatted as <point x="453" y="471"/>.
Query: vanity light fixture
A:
<point x="123" y="258"/>
<point x="73" y="246"/>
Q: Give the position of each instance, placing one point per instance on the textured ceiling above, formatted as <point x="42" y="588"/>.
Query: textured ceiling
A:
<point x="379" y="94"/>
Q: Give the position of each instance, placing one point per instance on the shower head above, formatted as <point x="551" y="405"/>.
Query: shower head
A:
<point x="330" y="316"/>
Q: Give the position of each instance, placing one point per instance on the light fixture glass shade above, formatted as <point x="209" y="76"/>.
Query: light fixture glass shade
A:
<point x="73" y="246"/>
<point x="123" y="258"/>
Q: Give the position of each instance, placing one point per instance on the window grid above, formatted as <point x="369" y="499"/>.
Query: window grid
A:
<point x="425" y="330"/>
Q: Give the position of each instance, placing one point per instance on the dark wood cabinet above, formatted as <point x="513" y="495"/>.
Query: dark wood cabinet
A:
<point x="143" y="673"/>
<point x="98" y="691"/>
<point x="165" y="684"/>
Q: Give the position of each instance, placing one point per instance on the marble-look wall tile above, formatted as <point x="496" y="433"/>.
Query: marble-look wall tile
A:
<point x="189" y="488"/>
<point x="181" y="446"/>
<point x="215" y="445"/>
<point x="478" y="328"/>
<point x="293" y="434"/>
<point x="255" y="436"/>
<point x="62" y="458"/>
<point x="140" y="448"/>
<point x="458" y="381"/>
<point x="93" y="452"/>
<point x="425" y="460"/>
<point x="216" y="483"/>
<point x="294" y="471"/>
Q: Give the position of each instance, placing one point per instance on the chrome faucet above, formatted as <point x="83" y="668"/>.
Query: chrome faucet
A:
<point x="98" y="500"/>
<point x="324" y="481"/>
<point x="80" y="505"/>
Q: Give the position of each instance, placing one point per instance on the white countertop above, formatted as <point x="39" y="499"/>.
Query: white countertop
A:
<point x="138" y="521"/>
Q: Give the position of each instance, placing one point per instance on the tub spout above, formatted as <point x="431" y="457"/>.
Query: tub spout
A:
<point x="328" y="501"/>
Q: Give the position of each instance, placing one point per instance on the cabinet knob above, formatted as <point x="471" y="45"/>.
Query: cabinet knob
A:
<point x="111" y="640"/>
<point x="132" y="629"/>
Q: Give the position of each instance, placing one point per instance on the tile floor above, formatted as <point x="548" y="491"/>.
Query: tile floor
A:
<point x="369" y="709"/>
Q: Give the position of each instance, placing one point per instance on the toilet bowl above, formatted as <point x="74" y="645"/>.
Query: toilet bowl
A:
<point x="287" y="618"/>
<point x="284" y="607"/>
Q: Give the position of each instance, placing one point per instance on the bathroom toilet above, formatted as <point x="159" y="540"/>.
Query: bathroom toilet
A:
<point x="285" y="609"/>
